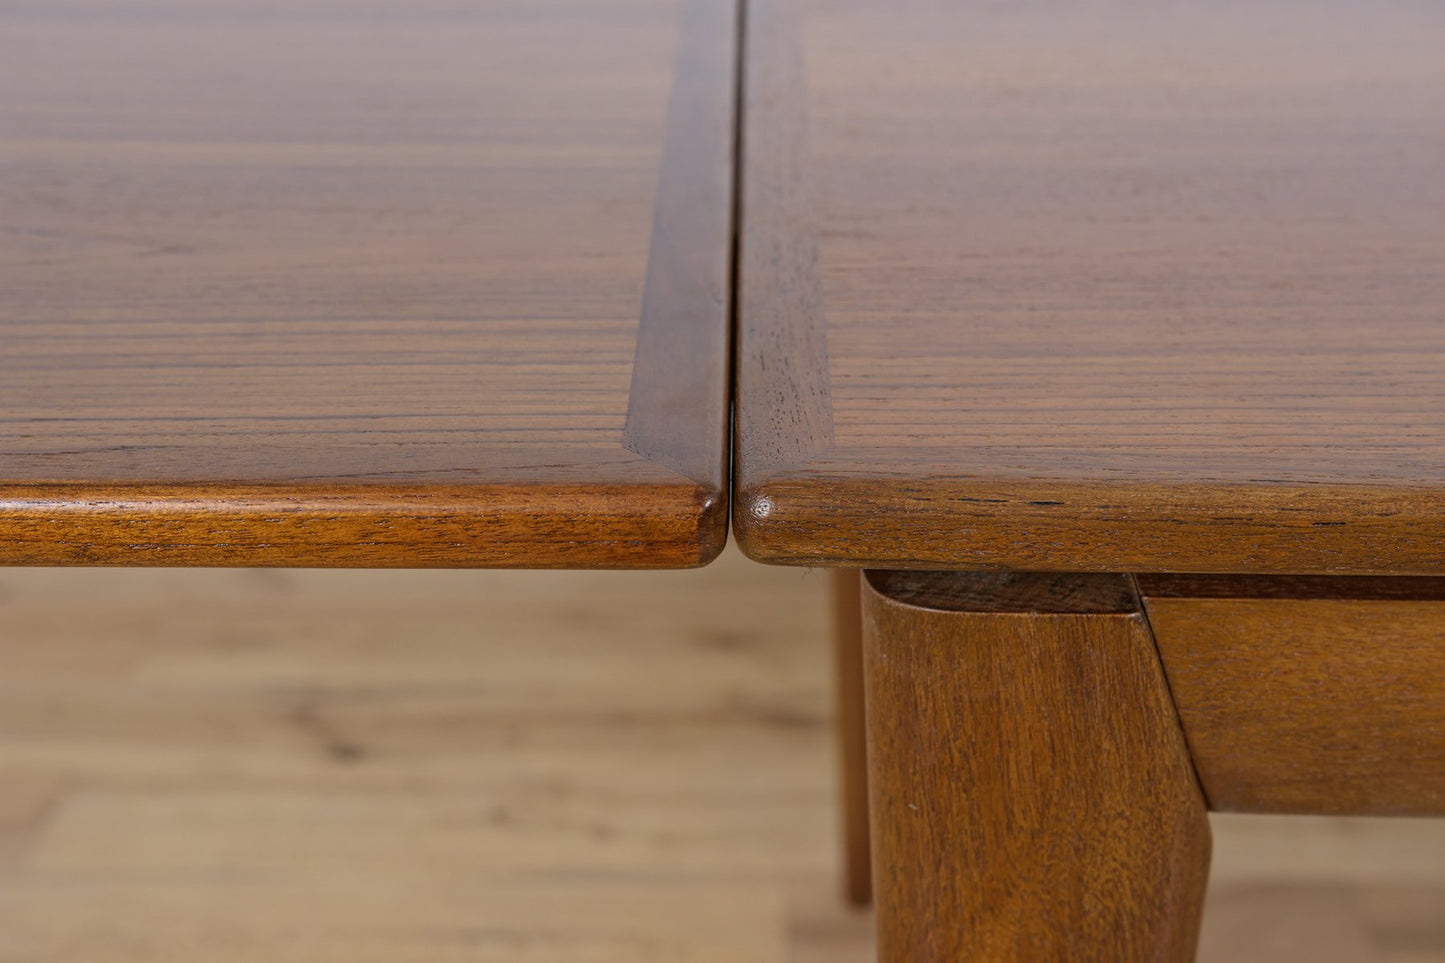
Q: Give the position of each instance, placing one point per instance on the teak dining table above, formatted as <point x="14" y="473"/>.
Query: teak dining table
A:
<point x="1109" y="340"/>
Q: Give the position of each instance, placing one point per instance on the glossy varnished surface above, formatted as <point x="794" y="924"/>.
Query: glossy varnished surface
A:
<point x="1095" y="287"/>
<point x="364" y="284"/>
<point x="1308" y="695"/>
<point x="1072" y="830"/>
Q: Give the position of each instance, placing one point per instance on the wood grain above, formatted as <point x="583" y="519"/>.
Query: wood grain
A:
<point x="851" y="735"/>
<point x="1329" y="702"/>
<point x="430" y="766"/>
<point x="375" y="526"/>
<point x="782" y="336"/>
<point x="1106" y="288"/>
<point x="1032" y="795"/>
<point x="334" y="257"/>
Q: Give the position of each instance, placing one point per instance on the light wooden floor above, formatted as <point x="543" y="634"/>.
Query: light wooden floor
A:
<point x="373" y="766"/>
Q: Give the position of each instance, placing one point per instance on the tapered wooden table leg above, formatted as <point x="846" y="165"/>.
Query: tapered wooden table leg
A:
<point x="1031" y="793"/>
<point x="852" y="734"/>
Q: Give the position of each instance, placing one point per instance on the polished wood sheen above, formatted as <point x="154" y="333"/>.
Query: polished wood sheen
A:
<point x="1323" y="695"/>
<point x="395" y="283"/>
<point x="1104" y="286"/>
<point x="1032" y="795"/>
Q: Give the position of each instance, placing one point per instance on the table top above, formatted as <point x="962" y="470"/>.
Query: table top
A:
<point x="1108" y="286"/>
<point x="402" y="282"/>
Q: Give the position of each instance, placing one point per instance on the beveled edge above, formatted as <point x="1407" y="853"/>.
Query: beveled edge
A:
<point x="679" y="399"/>
<point x="781" y="351"/>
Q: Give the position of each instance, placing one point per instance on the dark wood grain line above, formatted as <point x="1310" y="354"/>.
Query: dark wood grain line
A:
<point x="782" y="350"/>
<point x="678" y="402"/>
<point x="1359" y="588"/>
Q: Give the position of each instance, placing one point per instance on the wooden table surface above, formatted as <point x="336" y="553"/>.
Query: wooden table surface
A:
<point x="1094" y="287"/>
<point x="383" y="283"/>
